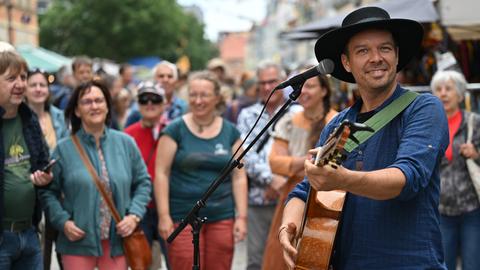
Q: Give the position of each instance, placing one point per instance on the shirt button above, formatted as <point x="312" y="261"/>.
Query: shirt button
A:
<point x="360" y="152"/>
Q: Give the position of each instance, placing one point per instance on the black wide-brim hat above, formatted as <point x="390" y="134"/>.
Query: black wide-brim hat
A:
<point x="407" y="33"/>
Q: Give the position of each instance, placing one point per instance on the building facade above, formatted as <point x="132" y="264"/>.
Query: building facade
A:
<point x="19" y="22"/>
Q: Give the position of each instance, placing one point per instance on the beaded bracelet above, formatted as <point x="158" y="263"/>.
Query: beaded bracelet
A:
<point x="280" y="230"/>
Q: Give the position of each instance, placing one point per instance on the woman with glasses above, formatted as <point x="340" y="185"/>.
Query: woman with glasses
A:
<point x="150" y="97"/>
<point x="52" y="123"/>
<point x="191" y="153"/>
<point x="88" y="237"/>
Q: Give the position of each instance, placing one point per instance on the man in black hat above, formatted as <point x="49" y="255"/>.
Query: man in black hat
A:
<point x="390" y="217"/>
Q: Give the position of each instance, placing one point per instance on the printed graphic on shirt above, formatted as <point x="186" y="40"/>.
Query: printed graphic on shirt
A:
<point x="14" y="144"/>
<point x="19" y="191"/>
<point x="220" y="150"/>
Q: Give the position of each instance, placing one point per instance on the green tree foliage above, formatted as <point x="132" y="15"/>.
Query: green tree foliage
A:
<point x="122" y="29"/>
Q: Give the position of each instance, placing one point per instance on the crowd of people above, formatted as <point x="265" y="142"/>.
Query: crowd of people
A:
<point x="157" y="145"/>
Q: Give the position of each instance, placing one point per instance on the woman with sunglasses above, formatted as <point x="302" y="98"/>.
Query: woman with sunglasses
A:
<point x="191" y="153"/>
<point x="52" y="123"/>
<point x="88" y="236"/>
<point x="150" y="97"/>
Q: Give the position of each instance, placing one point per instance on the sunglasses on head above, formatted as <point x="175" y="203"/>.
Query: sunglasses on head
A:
<point x="154" y="99"/>
<point x="48" y="77"/>
<point x="37" y="71"/>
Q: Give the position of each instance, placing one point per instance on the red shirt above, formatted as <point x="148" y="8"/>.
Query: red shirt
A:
<point x="148" y="146"/>
<point x="454" y="122"/>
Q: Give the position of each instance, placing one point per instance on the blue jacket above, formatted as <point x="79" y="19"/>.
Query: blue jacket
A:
<point x="58" y="119"/>
<point x="129" y="182"/>
<point x="37" y="148"/>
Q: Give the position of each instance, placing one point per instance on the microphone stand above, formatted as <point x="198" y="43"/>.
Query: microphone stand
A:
<point x="192" y="217"/>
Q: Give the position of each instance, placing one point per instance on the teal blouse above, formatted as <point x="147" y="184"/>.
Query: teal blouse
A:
<point x="197" y="163"/>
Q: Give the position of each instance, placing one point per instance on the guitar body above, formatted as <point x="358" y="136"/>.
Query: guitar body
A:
<point x="323" y="209"/>
<point x="319" y="228"/>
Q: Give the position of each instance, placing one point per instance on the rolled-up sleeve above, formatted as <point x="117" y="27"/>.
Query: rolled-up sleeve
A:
<point x="423" y="143"/>
<point x="300" y="191"/>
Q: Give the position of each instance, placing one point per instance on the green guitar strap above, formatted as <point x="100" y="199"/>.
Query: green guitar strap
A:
<point x="380" y="119"/>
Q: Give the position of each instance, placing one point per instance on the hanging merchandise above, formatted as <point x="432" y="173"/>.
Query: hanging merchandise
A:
<point x="446" y="61"/>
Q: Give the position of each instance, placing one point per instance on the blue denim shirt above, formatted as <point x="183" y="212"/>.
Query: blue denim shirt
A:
<point x="403" y="232"/>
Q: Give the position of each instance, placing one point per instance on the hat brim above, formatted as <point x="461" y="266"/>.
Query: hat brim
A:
<point x="407" y="33"/>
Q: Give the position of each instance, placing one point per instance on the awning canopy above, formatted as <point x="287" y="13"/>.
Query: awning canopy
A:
<point x="42" y="58"/>
<point x="420" y="10"/>
<point x="462" y="21"/>
<point x="299" y="36"/>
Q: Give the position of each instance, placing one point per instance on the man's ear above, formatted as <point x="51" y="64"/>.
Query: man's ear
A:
<point x="345" y="62"/>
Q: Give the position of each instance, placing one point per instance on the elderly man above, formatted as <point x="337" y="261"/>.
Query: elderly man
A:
<point x="263" y="185"/>
<point x="166" y="74"/>
<point x="23" y="154"/>
<point x="390" y="217"/>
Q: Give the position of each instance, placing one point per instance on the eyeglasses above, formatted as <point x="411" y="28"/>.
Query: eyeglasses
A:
<point x="202" y="96"/>
<point x="161" y="76"/>
<point x="89" y="102"/>
<point x="154" y="99"/>
<point x="273" y="81"/>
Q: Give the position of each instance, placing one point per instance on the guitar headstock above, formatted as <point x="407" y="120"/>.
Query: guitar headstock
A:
<point x="331" y="151"/>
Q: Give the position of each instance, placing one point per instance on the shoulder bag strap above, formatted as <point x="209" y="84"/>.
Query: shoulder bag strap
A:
<point x="470" y="127"/>
<point x="95" y="179"/>
<point x="380" y="119"/>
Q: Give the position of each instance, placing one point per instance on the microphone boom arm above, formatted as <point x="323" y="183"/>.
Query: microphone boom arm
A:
<point x="192" y="217"/>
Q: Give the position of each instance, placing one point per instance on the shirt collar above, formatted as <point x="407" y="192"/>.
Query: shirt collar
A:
<point x="355" y="109"/>
<point x="89" y="137"/>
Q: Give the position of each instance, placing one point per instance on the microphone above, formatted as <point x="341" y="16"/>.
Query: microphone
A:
<point x="324" y="67"/>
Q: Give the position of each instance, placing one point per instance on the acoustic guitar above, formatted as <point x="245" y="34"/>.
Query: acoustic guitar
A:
<point x="316" y="237"/>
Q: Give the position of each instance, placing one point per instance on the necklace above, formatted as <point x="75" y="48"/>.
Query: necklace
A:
<point x="314" y="118"/>
<point x="202" y="127"/>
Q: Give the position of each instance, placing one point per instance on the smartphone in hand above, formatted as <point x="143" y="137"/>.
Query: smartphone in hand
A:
<point x="49" y="166"/>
